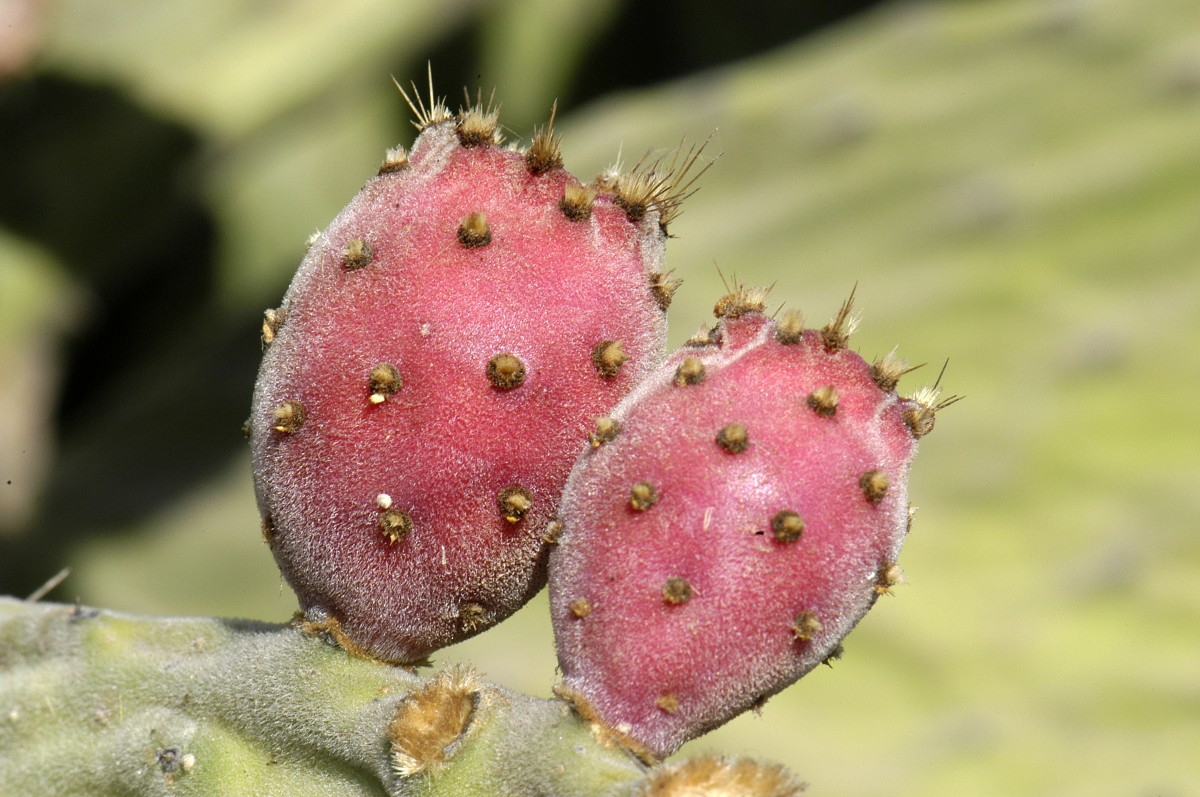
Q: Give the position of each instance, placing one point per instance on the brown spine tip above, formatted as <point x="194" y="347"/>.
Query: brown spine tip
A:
<point x="581" y="607"/>
<point x="514" y="502"/>
<point x="834" y="655"/>
<point x="740" y="302"/>
<point x="383" y="381"/>
<point x="272" y="320"/>
<point x="471" y="616"/>
<point x="642" y="496"/>
<point x="394" y="160"/>
<point x="667" y="703"/>
<point x="887" y="370"/>
<point x="806" y="626"/>
<point x="607" y="357"/>
<point x="912" y="512"/>
<point x="874" y="484"/>
<point x="676" y="590"/>
<point x="606" y="431"/>
<point x="545" y="153"/>
<point x="505" y="371"/>
<point x="663" y="288"/>
<point x="789" y="330"/>
<point x="889" y="575"/>
<point x="394" y="524"/>
<point x="787" y="526"/>
<point x="577" y="200"/>
<point x="474" y="231"/>
<point x="356" y="254"/>
<point x="733" y="438"/>
<point x="427" y="723"/>
<point x="824" y="401"/>
<point x="289" y="417"/>
<point x="836" y="334"/>
<point x="247" y="429"/>
<point x="689" y="372"/>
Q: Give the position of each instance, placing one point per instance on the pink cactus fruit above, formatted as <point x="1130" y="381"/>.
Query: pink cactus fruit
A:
<point x="741" y="510"/>
<point x="433" y="371"/>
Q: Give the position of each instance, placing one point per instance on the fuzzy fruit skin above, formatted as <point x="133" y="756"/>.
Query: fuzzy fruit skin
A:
<point x="438" y="305"/>
<point x="663" y="665"/>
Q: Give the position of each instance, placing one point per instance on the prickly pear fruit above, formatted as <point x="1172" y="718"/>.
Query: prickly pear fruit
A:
<point x="433" y="371"/>
<point x="744" y="510"/>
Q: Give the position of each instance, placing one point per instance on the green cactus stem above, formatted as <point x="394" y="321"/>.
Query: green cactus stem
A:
<point x="99" y="703"/>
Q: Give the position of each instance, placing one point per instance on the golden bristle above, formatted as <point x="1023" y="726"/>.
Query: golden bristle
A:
<point x="581" y="607"/>
<point x="273" y="319"/>
<point x="690" y="372"/>
<point x="733" y="438"/>
<point x="642" y="496"/>
<point x="740" y="301"/>
<point x="787" y="526"/>
<point x="805" y="626"/>
<point x="606" y="431"/>
<point x="824" y="401"/>
<point x="505" y="371"/>
<point x="478" y="124"/>
<point x="428" y="721"/>
<point x="719" y="776"/>
<point x="789" y="330"/>
<point x="655" y="187"/>
<point x="607" y="358"/>
<point x="357" y="253"/>
<point x="435" y="114"/>
<point x="889" y="576"/>
<point x="836" y="334"/>
<point x="663" y="288"/>
<point x="926" y="405"/>
<point x="268" y="530"/>
<point x="474" y="231"/>
<point x="545" y="152"/>
<point x="514" y="502"/>
<point x="874" y="485"/>
<point x="289" y="417"/>
<point x="394" y="524"/>
<point x="577" y="200"/>
<point x="704" y="336"/>
<point x="887" y="370"/>
<point x="676" y="590"/>
<point x="383" y="381"/>
<point x="394" y="160"/>
<point x="472" y="617"/>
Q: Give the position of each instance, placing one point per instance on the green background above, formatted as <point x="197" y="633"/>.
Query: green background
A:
<point x="1013" y="186"/>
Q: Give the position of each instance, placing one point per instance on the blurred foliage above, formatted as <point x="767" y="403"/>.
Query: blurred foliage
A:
<point x="1012" y="184"/>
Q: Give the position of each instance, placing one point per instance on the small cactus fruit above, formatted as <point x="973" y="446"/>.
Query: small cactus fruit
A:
<point x="439" y="358"/>
<point x="777" y="461"/>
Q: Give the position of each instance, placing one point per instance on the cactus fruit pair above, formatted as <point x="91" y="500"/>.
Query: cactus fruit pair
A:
<point x="472" y="321"/>
<point x="433" y="370"/>
<point x="745" y="510"/>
